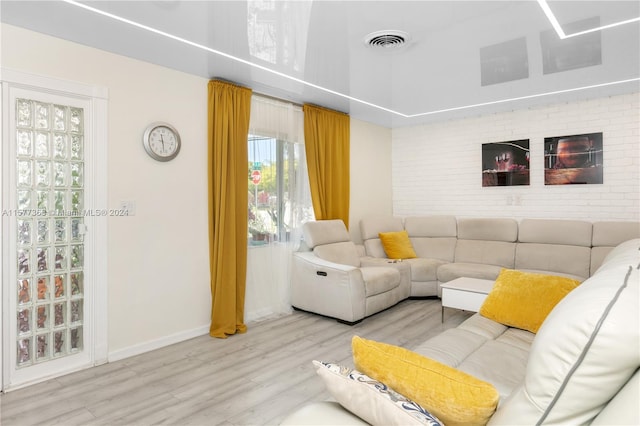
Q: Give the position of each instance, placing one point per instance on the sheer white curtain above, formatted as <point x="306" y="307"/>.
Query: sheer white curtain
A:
<point x="280" y="124"/>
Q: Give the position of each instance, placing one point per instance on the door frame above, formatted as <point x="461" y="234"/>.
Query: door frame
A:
<point x="96" y="166"/>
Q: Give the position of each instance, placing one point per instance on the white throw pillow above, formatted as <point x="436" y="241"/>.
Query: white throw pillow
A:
<point x="371" y="400"/>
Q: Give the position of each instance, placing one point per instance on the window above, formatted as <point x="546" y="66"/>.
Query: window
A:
<point x="279" y="198"/>
<point x="274" y="168"/>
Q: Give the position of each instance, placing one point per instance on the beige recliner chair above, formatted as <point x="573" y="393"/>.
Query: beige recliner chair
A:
<point x="328" y="279"/>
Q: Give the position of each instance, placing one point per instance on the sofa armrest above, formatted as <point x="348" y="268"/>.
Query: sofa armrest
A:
<point x="327" y="288"/>
<point x="377" y="261"/>
<point x="312" y="258"/>
<point x="618" y="410"/>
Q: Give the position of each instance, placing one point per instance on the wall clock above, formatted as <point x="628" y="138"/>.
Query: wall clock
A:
<point x="161" y="141"/>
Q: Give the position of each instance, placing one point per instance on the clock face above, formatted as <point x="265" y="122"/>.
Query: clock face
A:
<point x="162" y="141"/>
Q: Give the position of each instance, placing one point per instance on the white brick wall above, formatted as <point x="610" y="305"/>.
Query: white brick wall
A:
<point x="437" y="168"/>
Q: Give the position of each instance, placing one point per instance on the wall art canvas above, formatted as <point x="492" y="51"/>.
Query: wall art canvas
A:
<point x="505" y="163"/>
<point x="574" y="159"/>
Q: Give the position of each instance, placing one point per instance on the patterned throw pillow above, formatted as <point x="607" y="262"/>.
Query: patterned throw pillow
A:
<point x="457" y="398"/>
<point x="371" y="400"/>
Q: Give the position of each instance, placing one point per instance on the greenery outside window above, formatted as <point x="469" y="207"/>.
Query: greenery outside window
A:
<point x="273" y="173"/>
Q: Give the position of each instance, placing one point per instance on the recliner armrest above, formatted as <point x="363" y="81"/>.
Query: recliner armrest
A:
<point x="311" y="257"/>
<point x="327" y="288"/>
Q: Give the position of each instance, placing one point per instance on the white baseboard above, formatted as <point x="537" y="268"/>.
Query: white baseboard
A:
<point x="257" y="315"/>
<point x="157" y="344"/>
<point x="151" y="345"/>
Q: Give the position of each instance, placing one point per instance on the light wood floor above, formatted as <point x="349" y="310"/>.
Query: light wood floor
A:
<point x="249" y="379"/>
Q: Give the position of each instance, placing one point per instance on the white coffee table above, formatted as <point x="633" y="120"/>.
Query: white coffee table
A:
<point x="465" y="293"/>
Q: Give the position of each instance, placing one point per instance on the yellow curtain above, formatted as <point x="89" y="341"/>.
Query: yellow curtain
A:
<point x="229" y="109"/>
<point x="326" y="136"/>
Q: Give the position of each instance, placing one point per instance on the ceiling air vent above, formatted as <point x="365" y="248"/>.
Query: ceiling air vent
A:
<point x="388" y="39"/>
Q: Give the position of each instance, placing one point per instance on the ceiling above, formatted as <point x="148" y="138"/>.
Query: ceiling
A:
<point x="462" y="58"/>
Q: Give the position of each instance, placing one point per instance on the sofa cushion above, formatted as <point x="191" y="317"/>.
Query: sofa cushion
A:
<point x="607" y="235"/>
<point x="451" y="271"/>
<point x="424" y="269"/>
<point x="472" y="346"/>
<point x="585" y="351"/>
<point x="322" y="232"/>
<point x="486" y="252"/>
<point x="610" y="234"/>
<point x="483" y="327"/>
<point x="489" y="229"/>
<point x="621" y="255"/>
<point x="555" y="273"/>
<point x="452" y="346"/>
<point x="374" y="248"/>
<point x="433" y="237"/>
<point x="565" y="259"/>
<point x="397" y="245"/>
<point x="562" y="246"/>
<point x="499" y="362"/>
<point x="435" y="247"/>
<point x="486" y="242"/>
<point x="379" y="279"/>
<point x="431" y="226"/>
<point x="597" y="256"/>
<point x="524" y="299"/>
<point x="371" y="400"/>
<point x="453" y="396"/>
<point x="562" y="232"/>
<point x="344" y="253"/>
<point x="371" y="226"/>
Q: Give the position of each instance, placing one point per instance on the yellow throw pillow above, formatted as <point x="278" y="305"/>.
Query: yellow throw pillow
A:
<point x="524" y="299"/>
<point x="397" y="245"/>
<point x="453" y="396"/>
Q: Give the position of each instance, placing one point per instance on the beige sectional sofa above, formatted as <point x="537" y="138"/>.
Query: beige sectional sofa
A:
<point x="448" y="247"/>
<point x="582" y="365"/>
<point x="329" y="278"/>
<point x="334" y="277"/>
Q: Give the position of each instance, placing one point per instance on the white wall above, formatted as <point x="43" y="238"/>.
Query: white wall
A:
<point x="158" y="271"/>
<point x="437" y="167"/>
<point x="370" y="174"/>
<point x="158" y="259"/>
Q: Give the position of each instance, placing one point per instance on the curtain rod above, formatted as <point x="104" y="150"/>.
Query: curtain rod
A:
<point x="271" y="97"/>
<point x="278" y="99"/>
<point x="300" y="105"/>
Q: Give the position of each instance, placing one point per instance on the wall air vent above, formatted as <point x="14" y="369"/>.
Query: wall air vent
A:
<point x="388" y="39"/>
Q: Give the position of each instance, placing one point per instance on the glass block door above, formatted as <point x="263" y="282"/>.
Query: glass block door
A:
<point x="47" y="309"/>
<point x="49" y="221"/>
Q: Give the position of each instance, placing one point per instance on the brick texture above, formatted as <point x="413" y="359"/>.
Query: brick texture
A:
<point x="437" y="168"/>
